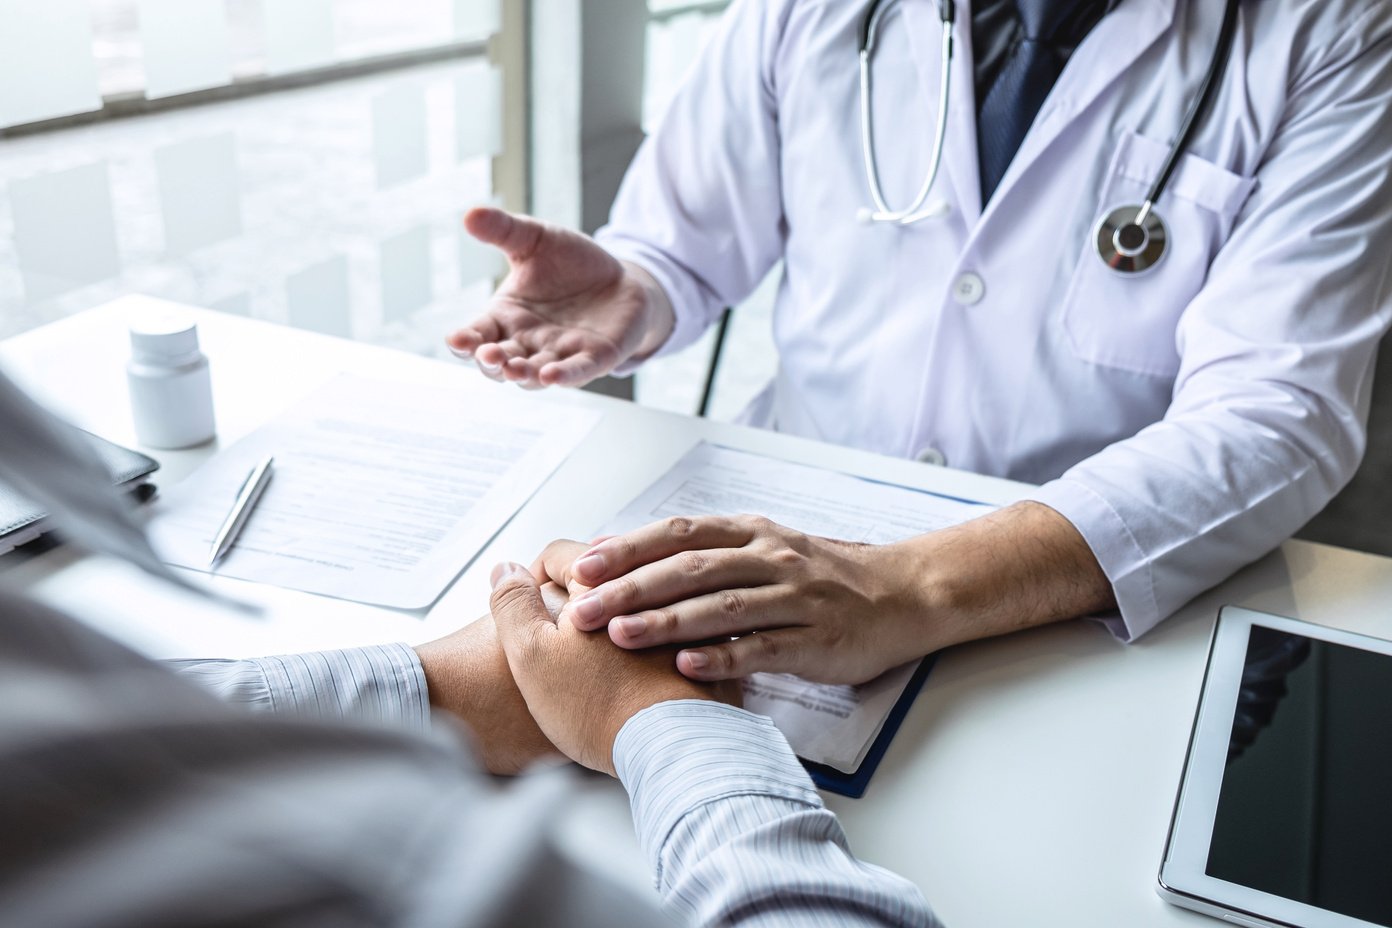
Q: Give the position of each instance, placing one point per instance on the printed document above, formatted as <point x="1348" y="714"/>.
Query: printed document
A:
<point x="831" y="725"/>
<point x="382" y="492"/>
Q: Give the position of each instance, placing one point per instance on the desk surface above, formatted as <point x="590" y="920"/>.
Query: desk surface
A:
<point x="1031" y="783"/>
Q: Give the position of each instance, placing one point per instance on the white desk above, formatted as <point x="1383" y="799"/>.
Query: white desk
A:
<point x="1032" y="782"/>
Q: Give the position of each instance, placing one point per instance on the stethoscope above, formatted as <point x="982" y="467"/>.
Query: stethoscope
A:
<point x="1130" y="239"/>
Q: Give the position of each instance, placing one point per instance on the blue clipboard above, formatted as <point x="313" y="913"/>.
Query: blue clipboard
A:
<point x="854" y="784"/>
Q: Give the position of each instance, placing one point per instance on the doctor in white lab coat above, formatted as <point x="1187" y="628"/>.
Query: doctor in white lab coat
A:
<point x="1180" y="423"/>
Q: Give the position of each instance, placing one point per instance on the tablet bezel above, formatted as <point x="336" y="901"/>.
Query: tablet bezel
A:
<point x="1182" y="878"/>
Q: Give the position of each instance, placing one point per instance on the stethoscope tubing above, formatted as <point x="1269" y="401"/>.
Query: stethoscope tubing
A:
<point x="1143" y="218"/>
<point x="869" y="32"/>
<point x="1222" y="52"/>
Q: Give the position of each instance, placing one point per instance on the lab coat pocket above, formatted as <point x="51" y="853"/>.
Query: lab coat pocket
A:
<point x="1128" y="321"/>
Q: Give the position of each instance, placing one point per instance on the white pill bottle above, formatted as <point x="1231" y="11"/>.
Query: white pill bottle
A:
<point x="170" y="387"/>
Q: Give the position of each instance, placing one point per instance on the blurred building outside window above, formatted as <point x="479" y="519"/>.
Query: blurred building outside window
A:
<point x="332" y="206"/>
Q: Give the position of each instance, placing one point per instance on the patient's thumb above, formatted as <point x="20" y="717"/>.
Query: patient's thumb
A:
<point x="516" y="602"/>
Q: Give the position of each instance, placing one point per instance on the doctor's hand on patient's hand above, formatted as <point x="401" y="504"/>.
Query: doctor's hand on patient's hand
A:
<point x="467" y="674"/>
<point x="580" y="688"/>
<point x="830" y="611"/>
<point x="567" y="313"/>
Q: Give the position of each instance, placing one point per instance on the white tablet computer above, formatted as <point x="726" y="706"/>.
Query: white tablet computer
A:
<point x="1284" y="813"/>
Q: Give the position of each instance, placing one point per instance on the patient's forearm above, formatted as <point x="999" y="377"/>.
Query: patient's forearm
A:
<point x="735" y="832"/>
<point x="379" y="683"/>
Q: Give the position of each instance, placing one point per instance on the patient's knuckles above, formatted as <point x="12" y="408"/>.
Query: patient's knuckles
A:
<point x="516" y="599"/>
<point x="562" y="550"/>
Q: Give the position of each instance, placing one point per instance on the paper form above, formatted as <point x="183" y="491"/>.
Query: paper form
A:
<point x="381" y="492"/>
<point x="832" y="725"/>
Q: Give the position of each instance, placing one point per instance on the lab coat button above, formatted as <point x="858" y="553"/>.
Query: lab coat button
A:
<point x="969" y="289"/>
<point x="931" y="456"/>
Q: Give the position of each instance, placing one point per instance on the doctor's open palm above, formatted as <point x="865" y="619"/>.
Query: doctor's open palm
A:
<point x="567" y="313"/>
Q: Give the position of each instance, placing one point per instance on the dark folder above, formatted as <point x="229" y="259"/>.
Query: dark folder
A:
<point x="21" y="521"/>
<point x="854" y="784"/>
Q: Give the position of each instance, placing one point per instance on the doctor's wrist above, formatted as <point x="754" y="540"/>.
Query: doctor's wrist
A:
<point x="1022" y="566"/>
<point x="658" y="318"/>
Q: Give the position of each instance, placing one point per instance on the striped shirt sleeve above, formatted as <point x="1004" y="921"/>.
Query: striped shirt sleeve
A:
<point x="380" y="683"/>
<point x="735" y="832"/>
<point x="730" y="822"/>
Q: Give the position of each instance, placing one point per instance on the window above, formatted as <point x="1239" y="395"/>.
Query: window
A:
<point x="314" y="175"/>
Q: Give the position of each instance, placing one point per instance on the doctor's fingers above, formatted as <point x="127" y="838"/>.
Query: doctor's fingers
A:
<point x="576" y="370"/>
<point x="782" y="650"/>
<point x="467" y="339"/>
<point x="507" y="361"/>
<point x="498" y="354"/>
<point x="670" y="580"/>
<point x="546" y="368"/>
<point x="516" y="236"/>
<point x="614" y="557"/>
<point x="711" y="616"/>
<point x="525" y="370"/>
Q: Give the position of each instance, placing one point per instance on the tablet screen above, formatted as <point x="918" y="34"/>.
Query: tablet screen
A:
<point x="1305" y="806"/>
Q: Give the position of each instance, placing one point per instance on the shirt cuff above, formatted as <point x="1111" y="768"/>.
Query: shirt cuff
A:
<point x="381" y="683"/>
<point x="690" y="301"/>
<point x="677" y="756"/>
<point x="1122" y="559"/>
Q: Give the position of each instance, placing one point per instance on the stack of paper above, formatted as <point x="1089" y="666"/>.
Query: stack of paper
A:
<point x="830" y="725"/>
<point x="382" y="492"/>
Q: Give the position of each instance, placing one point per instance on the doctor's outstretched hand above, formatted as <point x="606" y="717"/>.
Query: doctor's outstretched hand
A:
<point x="776" y="600"/>
<point x="567" y="313"/>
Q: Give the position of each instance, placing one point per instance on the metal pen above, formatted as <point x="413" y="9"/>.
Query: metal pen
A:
<point x="247" y="498"/>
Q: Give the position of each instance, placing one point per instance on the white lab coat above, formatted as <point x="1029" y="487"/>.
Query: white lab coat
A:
<point x="1186" y="421"/>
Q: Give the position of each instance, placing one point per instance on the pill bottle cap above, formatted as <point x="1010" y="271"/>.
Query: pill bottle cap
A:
<point x="163" y="336"/>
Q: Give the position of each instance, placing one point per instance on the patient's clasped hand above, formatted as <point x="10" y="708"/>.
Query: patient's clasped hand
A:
<point x="530" y="683"/>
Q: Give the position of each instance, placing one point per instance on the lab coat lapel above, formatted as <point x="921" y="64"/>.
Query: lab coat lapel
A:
<point x="959" y="148"/>
<point x="1113" y="46"/>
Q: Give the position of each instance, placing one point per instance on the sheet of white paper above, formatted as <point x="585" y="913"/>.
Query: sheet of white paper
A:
<point x="832" y="725"/>
<point x="382" y="492"/>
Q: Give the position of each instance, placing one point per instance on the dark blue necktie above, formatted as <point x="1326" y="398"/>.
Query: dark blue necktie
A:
<point x="1048" y="32"/>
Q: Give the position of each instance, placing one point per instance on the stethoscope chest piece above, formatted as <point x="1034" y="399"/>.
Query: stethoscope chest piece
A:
<point x="1132" y="239"/>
